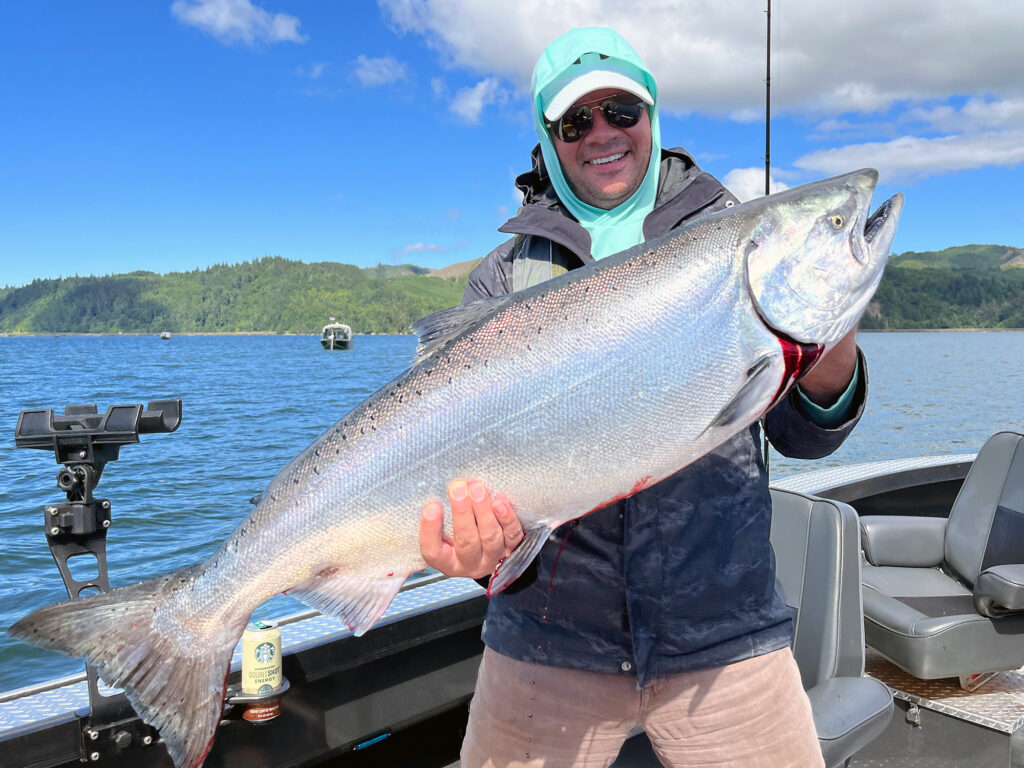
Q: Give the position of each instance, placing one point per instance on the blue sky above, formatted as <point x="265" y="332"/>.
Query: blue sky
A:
<point x="170" y="135"/>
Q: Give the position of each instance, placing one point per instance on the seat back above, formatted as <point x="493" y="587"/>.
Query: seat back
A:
<point x="986" y="522"/>
<point x="817" y="568"/>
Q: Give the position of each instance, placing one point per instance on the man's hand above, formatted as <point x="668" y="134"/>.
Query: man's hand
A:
<point x="827" y="380"/>
<point x="485" y="530"/>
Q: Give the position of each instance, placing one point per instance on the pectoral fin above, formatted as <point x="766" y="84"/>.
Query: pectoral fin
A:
<point x="760" y="387"/>
<point x="512" y="567"/>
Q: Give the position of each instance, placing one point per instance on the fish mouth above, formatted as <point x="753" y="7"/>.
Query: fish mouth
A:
<point x="881" y="225"/>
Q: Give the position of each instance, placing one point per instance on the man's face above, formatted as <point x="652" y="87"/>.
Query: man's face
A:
<point x="606" y="166"/>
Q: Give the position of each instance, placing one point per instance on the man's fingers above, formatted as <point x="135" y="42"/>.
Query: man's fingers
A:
<point x="491" y="539"/>
<point x="465" y="533"/>
<point x="435" y="552"/>
<point x="511" y="528"/>
<point x="484" y="530"/>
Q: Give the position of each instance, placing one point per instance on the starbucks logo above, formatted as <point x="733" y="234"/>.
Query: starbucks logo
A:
<point x="264" y="653"/>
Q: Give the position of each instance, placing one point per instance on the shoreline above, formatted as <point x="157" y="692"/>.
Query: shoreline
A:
<point x="55" y="334"/>
<point x="940" y="330"/>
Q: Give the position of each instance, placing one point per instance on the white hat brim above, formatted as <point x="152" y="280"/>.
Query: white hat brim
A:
<point x="594" y="80"/>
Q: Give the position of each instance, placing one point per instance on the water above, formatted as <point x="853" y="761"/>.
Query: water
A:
<point x="251" y="403"/>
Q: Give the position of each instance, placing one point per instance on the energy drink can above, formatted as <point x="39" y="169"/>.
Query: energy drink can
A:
<point x="261" y="668"/>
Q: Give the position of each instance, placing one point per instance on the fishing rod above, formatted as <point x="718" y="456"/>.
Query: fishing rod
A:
<point x="767" y="145"/>
<point x="768" y="102"/>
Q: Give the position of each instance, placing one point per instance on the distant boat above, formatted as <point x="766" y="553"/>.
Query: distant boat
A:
<point x="336" y="336"/>
<point x="165" y="335"/>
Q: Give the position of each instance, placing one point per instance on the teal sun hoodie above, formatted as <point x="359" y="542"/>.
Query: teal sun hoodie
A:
<point x="575" y="53"/>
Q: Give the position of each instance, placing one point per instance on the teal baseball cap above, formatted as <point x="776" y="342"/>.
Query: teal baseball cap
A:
<point x="585" y="60"/>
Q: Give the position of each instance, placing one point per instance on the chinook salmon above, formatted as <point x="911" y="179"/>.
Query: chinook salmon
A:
<point x="564" y="397"/>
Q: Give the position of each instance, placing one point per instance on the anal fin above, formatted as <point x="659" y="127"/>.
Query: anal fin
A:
<point x="510" y="569"/>
<point x="359" y="601"/>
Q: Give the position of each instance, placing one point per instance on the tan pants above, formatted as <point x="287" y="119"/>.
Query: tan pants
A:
<point x="753" y="714"/>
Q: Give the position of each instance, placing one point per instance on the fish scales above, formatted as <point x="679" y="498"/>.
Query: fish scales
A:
<point x="562" y="333"/>
<point x="564" y="397"/>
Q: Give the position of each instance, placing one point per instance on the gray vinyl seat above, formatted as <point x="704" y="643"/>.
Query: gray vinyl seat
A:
<point x="946" y="598"/>
<point x="817" y="566"/>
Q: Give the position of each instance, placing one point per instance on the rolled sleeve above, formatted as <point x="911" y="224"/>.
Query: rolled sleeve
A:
<point x="835" y="414"/>
<point x="797" y="435"/>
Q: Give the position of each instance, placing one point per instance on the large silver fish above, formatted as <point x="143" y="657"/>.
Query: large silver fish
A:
<point x="564" y="397"/>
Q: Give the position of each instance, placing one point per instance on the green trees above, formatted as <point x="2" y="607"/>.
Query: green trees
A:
<point x="976" y="286"/>
<point x="269" y="295"/>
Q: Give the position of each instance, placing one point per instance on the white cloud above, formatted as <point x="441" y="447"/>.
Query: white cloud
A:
<point x="233" y="21"/>
<point x="976" y="114"/>
<point x="438" y="87"/>
<point x="469" y="103"/>
<point x="372" y="72"/>
<point x="423" y="248"/>
<point x="748" y="183"/>
<point x="983" y="132"/>
<point x="866" y="72"/>
<point x="910" y="157"/>
<point x="314" y="71"/>
<point x="833" y="127"/>
<point x="709" y="57"/>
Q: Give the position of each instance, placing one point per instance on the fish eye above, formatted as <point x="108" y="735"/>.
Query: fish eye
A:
<point x="837" y="220"/>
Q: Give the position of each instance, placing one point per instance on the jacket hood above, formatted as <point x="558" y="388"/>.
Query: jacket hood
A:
<point x="584" y="51"/>
<point x="577" y="53"/>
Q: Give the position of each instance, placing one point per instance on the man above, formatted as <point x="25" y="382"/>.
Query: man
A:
<point x="659" y="611"/>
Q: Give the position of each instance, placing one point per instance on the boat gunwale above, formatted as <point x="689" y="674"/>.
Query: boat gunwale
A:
<point x="876" y="476"/>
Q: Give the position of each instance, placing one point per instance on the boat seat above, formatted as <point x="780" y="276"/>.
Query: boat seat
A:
<point x="944" y="598"/>
<point x="817" y="559"/>
<point x="817" y="567"/>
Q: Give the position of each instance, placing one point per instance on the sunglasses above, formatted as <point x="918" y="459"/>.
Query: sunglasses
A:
<point x="621" y="111"/>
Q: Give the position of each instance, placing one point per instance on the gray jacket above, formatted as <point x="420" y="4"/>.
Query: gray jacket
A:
<point x="548" y="240"/>
<point x="679" y="576"/>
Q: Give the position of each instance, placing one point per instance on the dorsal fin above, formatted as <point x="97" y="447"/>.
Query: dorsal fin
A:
<point x="441" y="327"/>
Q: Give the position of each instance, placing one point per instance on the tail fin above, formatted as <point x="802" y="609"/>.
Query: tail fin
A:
<point x="173" y="674"/>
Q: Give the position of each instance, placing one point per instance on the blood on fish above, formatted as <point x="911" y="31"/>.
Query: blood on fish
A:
<point x="641" y="484"/>
<point x="798" y="358"/>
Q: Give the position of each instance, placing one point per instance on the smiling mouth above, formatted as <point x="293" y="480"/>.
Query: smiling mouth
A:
<point x="607" y="159"/>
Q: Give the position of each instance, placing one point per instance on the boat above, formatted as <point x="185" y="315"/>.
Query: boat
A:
<point x="336" y="336"/>
<point x="166" y="335"/>
<point x="398" y="695"/>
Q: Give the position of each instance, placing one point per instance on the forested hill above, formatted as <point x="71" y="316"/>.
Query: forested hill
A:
<point x="272" y="294"/>
<point x="972" y="286"/>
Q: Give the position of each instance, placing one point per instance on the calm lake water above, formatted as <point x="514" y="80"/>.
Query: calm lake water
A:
<point x="252" y="403"/>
